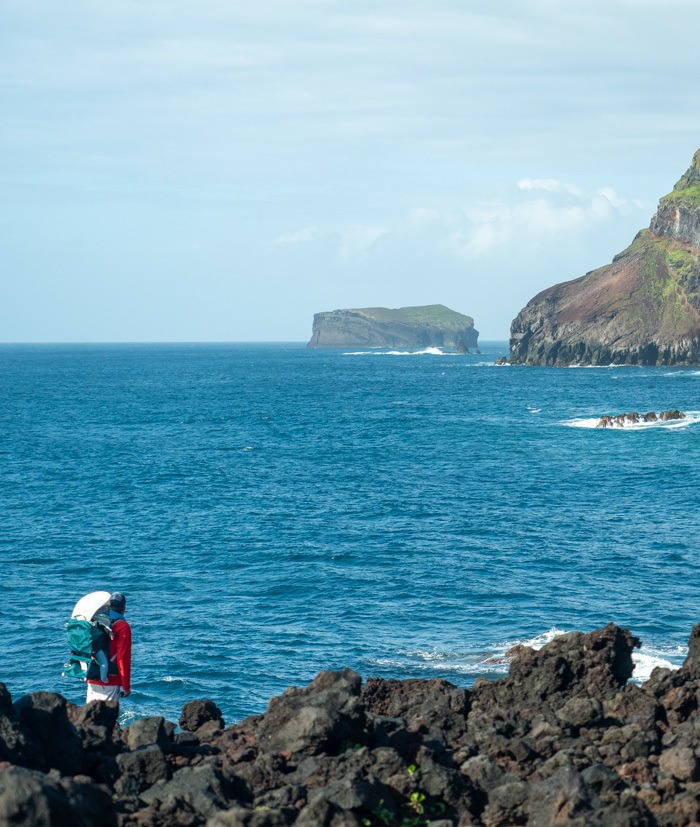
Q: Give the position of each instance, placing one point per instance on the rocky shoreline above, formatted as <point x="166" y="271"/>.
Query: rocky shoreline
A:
<point x="564" y="739"/>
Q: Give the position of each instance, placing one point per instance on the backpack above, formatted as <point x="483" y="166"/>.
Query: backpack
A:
<point x="85" y="639"/>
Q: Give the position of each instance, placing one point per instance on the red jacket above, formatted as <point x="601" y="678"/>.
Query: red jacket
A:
<point x="120" y="653"/>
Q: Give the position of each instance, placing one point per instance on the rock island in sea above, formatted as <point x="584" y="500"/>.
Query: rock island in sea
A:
<point x="564" y="739"/>
<point x="642" y="309"/>
<point x="432" y="325"/>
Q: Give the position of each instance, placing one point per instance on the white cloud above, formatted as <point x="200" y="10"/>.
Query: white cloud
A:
<point x="549" y="185"/>
<point x="534" y="215"/>
<point x="356" y="240"/>
<point x="306" y="235"/>
<point x="352" y="242"/>
<point x="552" y="213"/>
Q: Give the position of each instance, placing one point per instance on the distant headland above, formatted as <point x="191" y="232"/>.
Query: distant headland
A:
<point x="642" y="309"/>
<point x="432" y="325"/>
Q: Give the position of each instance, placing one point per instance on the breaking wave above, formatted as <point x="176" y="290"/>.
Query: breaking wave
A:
<point x="428" y="351"/>
<point x="691" y="418"/>
<point x="494" y="662"/>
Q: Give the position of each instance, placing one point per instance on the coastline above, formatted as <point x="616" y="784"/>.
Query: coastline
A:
<point x="563" y="739"/>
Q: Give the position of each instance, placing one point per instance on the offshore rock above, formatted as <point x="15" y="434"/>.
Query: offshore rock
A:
<point x="562" y="740"/>
<point x="633" y="418"/>
<point x="642" y="309"/>
<point x="407" y="327"/>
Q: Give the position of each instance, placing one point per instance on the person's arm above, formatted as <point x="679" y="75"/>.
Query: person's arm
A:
<point x="122" y="640"/>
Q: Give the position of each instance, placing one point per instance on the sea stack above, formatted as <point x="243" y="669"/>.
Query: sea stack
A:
<point x="642" y="309"/>
<point x="433" y="325"/>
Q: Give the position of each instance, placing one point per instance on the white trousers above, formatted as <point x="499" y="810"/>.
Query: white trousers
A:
<point x="95" y="692"/>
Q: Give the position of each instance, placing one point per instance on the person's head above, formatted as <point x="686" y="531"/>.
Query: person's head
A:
<point x="117" y="602"/>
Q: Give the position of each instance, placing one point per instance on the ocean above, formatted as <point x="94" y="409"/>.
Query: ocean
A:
<point x="271" y="511"/>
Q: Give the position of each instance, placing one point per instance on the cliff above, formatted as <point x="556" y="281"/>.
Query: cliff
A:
<point x="563" y="740"/>
<point x="407" y="327"/>
<point x="643" y="308"/>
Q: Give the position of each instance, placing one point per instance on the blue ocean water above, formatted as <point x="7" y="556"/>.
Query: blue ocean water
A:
<point x="271" y="511"/>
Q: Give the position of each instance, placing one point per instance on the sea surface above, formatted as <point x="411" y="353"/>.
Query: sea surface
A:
<point x="271" y="511"/>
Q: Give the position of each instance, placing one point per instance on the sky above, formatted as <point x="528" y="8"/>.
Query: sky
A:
<point x="179" y="170"/>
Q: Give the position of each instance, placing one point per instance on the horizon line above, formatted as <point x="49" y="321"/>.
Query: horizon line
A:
<point x="303" y="342"/>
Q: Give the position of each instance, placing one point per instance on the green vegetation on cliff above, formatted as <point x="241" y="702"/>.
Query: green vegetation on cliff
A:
<point x="429" y="315"/>
<point x="432" y="325"/>
<point x="643" y="308"/>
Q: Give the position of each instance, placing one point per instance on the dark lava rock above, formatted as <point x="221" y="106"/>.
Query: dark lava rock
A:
<point x="201" y="790"/>
<point x="319" y="717"/>
<point x="197" y="713"/>
<point x="146" y="732"/>
<point x="31" y="799"/>
<point x="669" y="416"/>
<point x="16" y="745"/>
<point x="45" y="716"/>
<point x="435" y="704"/>
<point x="563" y="740"/>
<point x="140" y="769"/>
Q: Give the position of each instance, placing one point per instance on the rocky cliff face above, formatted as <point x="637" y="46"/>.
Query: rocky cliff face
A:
<point x="643" y="308"/>
<point x="407" y="327"/>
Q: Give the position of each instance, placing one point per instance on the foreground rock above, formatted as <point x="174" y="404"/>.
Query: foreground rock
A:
<point x="633" y="418"/>
<point x="407" y="328"/>
<point x="563" y="740"/>
<point x="643" y="309"/>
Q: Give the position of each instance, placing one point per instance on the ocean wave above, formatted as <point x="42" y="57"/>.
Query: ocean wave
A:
<point x="601" y="367"/>
<point x="645" y="659"/>
<point x="428" y="351"/>
<point x="494" y="661"/>
<point x="691" y="418"/>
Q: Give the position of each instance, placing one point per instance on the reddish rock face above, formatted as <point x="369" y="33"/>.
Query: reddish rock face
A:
<point x="643" y="308"/>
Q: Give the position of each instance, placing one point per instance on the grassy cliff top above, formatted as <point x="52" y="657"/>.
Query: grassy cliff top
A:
<point x="687" y="187"/>
<point x="691" y="176"/>
<point x="430" y="315"/>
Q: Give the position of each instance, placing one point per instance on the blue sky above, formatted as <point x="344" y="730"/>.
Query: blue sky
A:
<point x="220" y="171"/>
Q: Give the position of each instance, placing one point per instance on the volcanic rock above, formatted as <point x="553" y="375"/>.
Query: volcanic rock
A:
<point x="44" y="715"/>
<point x="562" y="740"/>
<point x="407" y="327"/>
<point x="642" y="309"/>
<point x="633" y="418"/>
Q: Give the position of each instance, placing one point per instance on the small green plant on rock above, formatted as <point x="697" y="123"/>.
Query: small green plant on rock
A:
<point x="416" y="802"/>
<point x="417" y="812"/>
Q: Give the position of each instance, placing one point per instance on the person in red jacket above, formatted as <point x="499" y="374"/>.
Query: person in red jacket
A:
<point x="118" y="681"/>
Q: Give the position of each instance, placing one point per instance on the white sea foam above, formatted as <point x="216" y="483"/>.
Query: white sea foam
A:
<point x="495" y="660"/>
<point x="644" y="664"/>
<point x="691" y="418"/>
<point x="428" y="351"/>
<point x="601" y="367"/>
<point x="645" y="659"/>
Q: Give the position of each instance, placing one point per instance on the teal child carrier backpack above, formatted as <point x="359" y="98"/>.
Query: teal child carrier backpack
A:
<point x="88" y="641"/>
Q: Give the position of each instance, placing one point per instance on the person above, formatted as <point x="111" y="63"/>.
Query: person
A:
<point x="119" y="683"/>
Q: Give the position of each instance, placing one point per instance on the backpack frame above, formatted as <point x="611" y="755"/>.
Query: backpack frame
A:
<point x="85" y="638"/>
